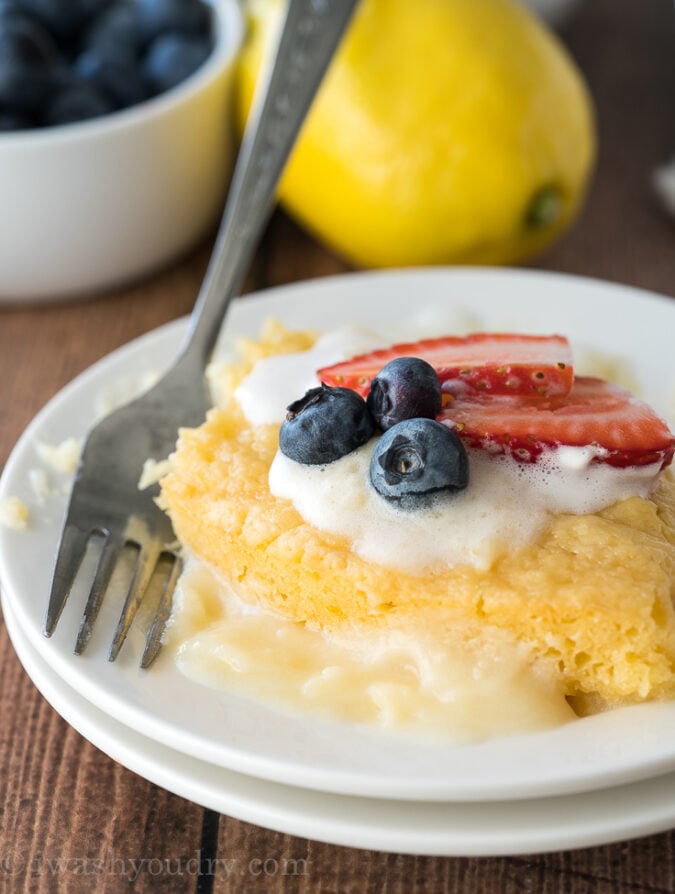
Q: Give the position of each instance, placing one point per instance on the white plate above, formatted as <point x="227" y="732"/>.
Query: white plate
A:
<point x="415" y="827"/>
<point x="248" y="737"/>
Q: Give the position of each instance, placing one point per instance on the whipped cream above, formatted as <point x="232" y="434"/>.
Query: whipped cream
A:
<point x="506" y="505"/>
<point x="275" y="382"/>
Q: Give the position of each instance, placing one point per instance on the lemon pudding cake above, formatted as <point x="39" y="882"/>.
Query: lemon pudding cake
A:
<point x="458" y="534"/>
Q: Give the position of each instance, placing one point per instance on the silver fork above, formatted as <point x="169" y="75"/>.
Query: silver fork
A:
<point x="105" y="499"/>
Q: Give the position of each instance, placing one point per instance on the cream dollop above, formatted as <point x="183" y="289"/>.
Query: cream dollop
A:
<point x="275" y="382"/>
<point x="506" y="505"/>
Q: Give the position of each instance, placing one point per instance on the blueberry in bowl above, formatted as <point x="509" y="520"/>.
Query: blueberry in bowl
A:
<point x="114" y="155"/>
<point x="70" y="60"/>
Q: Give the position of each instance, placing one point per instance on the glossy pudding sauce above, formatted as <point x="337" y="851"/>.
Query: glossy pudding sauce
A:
<point x="405" y="676"/>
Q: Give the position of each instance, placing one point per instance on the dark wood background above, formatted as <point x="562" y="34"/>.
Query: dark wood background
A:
<point x="62" y="798"/>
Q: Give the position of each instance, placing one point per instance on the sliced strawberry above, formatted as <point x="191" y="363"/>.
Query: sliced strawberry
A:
<point x="485" y="362"/>
<point x="595" y="413"/>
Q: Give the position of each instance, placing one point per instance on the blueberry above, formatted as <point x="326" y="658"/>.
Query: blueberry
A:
<point x="115" y="32"/>
<point x="171" y="58"/>
<point x="406" y="388"/>
<point x="161" y="16"/>
<point x="94" y="8"/>
<point x="63" y="18"/>
<point x="28" y="58"/>
<point x="11" y="120"/>
<point x="418" y="458"/>
<point x="67" y="60"/>
<point x="115" y="75"/>
<point x="76" y="101"/>
<point x="324" y="425"/>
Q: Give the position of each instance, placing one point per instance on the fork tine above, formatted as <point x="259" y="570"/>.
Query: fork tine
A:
<point x="69" y="558"/>
<point x="104" y="570"/>
<point x="153" y="642"/>
<point x="145" y="566"/>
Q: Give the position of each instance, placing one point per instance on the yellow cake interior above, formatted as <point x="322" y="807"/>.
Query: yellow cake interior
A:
<point x="591" y="601"/>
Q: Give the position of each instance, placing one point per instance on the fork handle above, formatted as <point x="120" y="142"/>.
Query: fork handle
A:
<point x="309" y="35"/>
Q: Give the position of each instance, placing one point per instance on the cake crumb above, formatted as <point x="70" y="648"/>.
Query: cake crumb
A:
<point x="39" y="482"/>
<point x="14" y="513"/>
<point x="153" y="471"/>
<point x="61" y="457"/>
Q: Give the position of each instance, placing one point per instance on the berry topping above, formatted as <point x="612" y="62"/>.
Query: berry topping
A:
<point x="406" y="388"/>
<point x="324" y="425"/>
<point x="416" y="459"/>
<point x="540" y="366"/>
<point x="624" y="430"/>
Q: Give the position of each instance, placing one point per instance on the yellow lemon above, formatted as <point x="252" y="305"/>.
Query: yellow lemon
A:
<point x="446" y="131"/>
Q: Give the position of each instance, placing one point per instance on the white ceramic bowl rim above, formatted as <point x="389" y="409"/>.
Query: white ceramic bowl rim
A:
<point x="229" y="28"/>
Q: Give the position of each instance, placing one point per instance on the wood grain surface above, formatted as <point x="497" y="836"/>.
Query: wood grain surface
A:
<point x="66" y="808"/>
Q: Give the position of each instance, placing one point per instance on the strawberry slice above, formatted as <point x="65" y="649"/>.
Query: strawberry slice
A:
<point x="490" y="363"/>
<point x="595" y="413"/>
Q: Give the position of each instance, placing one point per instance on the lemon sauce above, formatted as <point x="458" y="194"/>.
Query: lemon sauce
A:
<point x="405" y="679"/>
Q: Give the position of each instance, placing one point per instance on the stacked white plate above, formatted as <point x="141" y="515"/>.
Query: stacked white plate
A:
<point x="592" y="781"/>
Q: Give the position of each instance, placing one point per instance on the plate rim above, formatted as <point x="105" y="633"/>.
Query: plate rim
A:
<point x="232" y="793"/>
<point x="350" y="782"/>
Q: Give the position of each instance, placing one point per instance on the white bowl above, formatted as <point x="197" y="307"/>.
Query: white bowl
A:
<point x="89" y="206"/>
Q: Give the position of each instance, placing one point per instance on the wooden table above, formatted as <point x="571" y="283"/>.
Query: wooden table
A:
<point x="62" y="798"/>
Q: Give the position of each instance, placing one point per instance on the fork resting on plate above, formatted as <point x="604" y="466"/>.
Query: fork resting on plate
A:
<point x="106" y="501"/>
